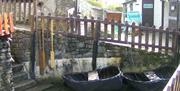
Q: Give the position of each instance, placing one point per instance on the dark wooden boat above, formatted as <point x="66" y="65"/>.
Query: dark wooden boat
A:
<point x="141" y="81"/>
<point x="109" y="80"/>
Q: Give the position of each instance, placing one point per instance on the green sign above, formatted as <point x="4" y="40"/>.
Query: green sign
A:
<point x="134" y="16"/>
<point x="148" y="6"/>
<point x="116" y="29"/>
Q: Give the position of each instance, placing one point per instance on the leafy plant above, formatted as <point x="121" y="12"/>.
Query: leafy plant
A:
<point x="95" y="3"/>
<point x="115" y="7"/>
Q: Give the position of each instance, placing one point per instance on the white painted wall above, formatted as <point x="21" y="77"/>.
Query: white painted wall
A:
<point x="137" y="6"/>
<point x="49" y="7"/>
<point x="166" y="15"/>
<point x="157" y="13"/>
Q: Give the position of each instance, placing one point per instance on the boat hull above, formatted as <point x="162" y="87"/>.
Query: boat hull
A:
<point x="76" y="81"/>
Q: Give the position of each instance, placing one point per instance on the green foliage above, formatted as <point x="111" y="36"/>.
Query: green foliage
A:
<point x="115" y="7"/>
<point x="95" y="3"/>
<point x="119" y="9"/>
<point x="139" y="60"/>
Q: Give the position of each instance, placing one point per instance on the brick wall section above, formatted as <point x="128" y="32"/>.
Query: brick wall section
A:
<point x="21" y="46"/>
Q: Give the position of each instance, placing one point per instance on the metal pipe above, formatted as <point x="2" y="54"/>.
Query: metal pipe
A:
<point x="177" y="15"/>
<point x="162" y="21"/>
<point x="178" y="37"/>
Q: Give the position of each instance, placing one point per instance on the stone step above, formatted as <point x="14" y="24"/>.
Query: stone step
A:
<point x="23" y="85"/>
<point x="20" y="77"/>
<point x="17" y="68"/>
<point x="18" y="65"/>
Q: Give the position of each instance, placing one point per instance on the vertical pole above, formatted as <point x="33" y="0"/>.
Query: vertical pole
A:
<point x="178" y="41"/>
<point x="42" y="63"/>
<point x="25" y="2"/>
<point x="177" y="14"/>
<point x="162" y="21"/>
<point x="35" y="35"/>
<point x="20" y="10"/>
<point x="95" y="45"/>
<point x="14" y="11"/>
<point x="76" y="8"/>
<point x="52" y="61"/>
<point x="33" y="51"/>
<point x="34" y="6"/>
<point x="29" y="11"/>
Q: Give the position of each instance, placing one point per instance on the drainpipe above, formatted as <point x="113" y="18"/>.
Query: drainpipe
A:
<point x="178" y="14"/>
<point x="162" y="20"/>
<point x="124" y="12"/>
<point x="178" y="41"/>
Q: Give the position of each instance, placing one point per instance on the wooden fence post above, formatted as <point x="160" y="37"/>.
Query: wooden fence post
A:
<point x="20" y="10"/>
<point x="133" y="35"/>
<point x="33" y="45"/>
<point x="24" y="12"/>
<point x="160" y="38"/>
<point x="78" y="24"/>
<point x="85" y="26"/>
<point x="175" y="46"/>
<point x="112" y="29"/>
<point x="71" y="24"/>
<point x="119" y="30"/>
<point x="126" y="32"/>
<point x="178" y="45"/>
<point x="153" y="38"/>
<point x="140" y="36"/>
<point x="146" y="39"/>
<point x="167" y="41"/>
<point x="95" y="44"/>
<point x="92" y="27"/>
<point x="105" y="28"/>
<point x="29" y="10"/>
<point x="34" y="7"/>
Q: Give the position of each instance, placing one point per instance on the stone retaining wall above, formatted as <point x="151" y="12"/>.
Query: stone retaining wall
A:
<point x="6" y="82"/>
<point x="21" y="46"/>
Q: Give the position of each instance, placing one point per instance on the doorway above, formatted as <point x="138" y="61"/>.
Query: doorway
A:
<point x="148" y="13"/>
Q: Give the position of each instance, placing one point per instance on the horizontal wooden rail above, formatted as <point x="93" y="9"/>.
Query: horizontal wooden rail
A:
<point x="137" y="36"/>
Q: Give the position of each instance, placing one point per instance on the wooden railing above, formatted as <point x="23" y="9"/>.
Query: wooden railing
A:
<point x="21" y="9"/>
<point x="174" y="82"/>
<point x="146" y="38"/>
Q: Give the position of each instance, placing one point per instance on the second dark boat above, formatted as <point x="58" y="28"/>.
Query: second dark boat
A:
<point x="154" y="80"/>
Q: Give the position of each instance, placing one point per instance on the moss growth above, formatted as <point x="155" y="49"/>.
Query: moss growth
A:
<point x="138" y="60"/>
